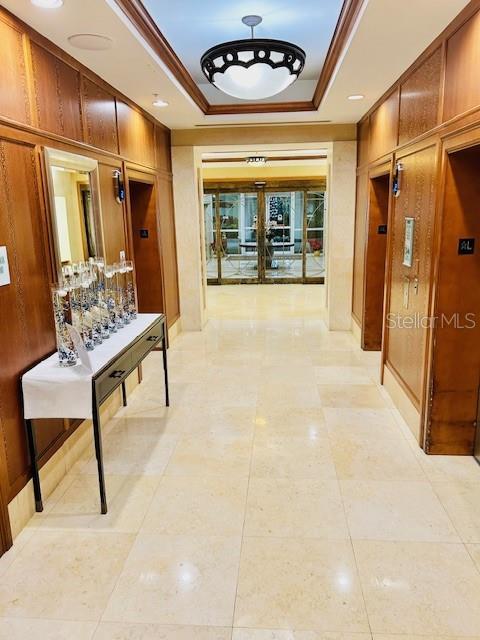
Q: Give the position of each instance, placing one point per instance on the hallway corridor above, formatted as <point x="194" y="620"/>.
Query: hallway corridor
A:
<point x="280" y="497"/>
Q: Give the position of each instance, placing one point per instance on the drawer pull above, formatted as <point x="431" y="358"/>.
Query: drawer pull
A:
<point x="152" y="338"/>
<point x="117" y="374"/>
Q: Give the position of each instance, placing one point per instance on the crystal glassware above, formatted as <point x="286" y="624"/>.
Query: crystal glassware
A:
<point x="131" y="293"/>
<point x="110" y="295"/>
<point x="102" y="298"/>
<point x="120" y="271"/>
<point x="67" y="354"/>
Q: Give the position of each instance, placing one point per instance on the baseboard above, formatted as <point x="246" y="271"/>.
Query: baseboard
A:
<point x="175" y="330"/>
<point x="407" y="409"/>
<point x="356" y="330"/>
<point x="22" y="507"/>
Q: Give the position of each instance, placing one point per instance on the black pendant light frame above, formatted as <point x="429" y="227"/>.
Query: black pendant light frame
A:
<point x="261" y="48"/>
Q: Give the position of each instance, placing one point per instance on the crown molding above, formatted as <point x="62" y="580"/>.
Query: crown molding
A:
<point x="146" y="26"/>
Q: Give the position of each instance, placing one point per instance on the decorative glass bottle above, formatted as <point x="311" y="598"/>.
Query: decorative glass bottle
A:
<point x="131" y="292"/>
<point x="67" y="354"/>
<point x="110" y="297"/>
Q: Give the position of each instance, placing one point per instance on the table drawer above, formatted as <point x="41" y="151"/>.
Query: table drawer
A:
<point x="111" y="378"/>
<point x="147" y="342"/>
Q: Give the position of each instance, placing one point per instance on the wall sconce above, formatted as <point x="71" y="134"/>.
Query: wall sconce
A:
<point x="118" y="186"/>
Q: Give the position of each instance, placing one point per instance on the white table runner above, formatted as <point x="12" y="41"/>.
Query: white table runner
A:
<point x="52" y="391"/>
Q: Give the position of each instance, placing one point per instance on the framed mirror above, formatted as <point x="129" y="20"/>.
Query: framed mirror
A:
<point x="75" y="207"/>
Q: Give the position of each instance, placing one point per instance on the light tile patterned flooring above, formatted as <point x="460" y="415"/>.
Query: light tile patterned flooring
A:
<point x="280" y="498"/>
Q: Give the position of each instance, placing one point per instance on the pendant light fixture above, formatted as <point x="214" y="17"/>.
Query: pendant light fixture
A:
<point x="253" y="68"/>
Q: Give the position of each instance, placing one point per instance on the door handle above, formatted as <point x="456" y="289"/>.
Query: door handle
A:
<point x="117" y="374"/>
<point x="152" y="338"/>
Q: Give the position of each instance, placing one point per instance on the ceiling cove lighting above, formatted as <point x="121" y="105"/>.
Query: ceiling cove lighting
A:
<point x="356" y="96"/>
<point x="256" y="160"/>
<point x="253" y="68"/>
<point x="47" y="4"/>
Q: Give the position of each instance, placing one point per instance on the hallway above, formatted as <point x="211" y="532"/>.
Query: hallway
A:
<point x="280" y="492"/>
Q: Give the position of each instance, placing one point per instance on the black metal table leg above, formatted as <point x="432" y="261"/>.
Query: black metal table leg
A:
<point x="165" y="368"/>
<point x="32" y="445"/>
<point x="124" y="394"/>
<point x="99" y="455"/>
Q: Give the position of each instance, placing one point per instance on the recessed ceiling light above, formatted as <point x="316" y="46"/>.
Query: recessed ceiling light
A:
<point x="158" y="102"/>
<point x="356" y="96"/>
<point x="90" y="42"/>
<point x="47" y="4"/>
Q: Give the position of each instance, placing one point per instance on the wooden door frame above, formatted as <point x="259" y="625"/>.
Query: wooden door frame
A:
<point x="447" y="146"/>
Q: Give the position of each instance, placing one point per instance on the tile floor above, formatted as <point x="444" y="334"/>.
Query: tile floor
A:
<point x="281" y="497"/>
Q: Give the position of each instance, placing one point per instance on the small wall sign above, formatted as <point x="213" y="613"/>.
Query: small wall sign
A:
<point x="382" y="229"/>
<point x="143" y="233"/>
<point x="466" y="246"/>
<point x="4" y="269"/>
<point x="408" y="246"/>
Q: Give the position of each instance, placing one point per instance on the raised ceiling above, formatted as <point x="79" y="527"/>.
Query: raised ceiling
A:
<point x="192" y="27"/>
<point x="386" y="37"/>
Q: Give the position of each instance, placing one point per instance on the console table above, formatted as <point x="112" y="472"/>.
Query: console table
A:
<point x="52" y="391"/>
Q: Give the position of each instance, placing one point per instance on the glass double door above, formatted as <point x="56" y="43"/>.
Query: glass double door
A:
<point x="264" y="236"/>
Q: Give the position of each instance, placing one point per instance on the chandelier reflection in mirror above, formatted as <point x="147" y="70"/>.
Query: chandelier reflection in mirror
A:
<point x="254" y="68"/>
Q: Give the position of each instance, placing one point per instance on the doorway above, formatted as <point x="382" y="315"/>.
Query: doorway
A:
<point x="452" y="406"/>
<point x="146" y="246"/>
<point x="272" y="234"/>
<point x="375" y="262"/>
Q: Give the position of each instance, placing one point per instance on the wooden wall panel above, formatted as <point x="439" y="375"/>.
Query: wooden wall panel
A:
<point x="26" y="317"/>
<point x="406" y="344"/>
<point x="136" y="134"/>
<point x="113" y="215"/>
<point x="419" y="99"/>
<point x="360" y="239"/>
<point x="100" y="117"/>
<point x="363" y="139"/>
<point x="384" y="127"/>
<point x="454" y="397"/>
<point x="57" y="94"/>
<point x="163" y="149"/>
<point x="169" y="249"/>
<point x="14" y="102"/>
<point x="462" y="88"/>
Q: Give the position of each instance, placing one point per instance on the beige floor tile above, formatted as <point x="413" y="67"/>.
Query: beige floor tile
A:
<point x="177" y="580"/>
<point x="360" y="458"/>
<point x="291" y="457"/>
<point x="290" y="394"/>
<point x="342" y="375"/>
<point x="289" y="421"/>
<point x="396" y="511"/>
<point x="328" y="358"/>
<point x="474" y="551"/>
<point x="461" y="501"/>
<point x="218" y="421"/>
<point x="197" y="456"/>
<point x="449" y="468"/>
<point x="295" y="508"/>
<point x="18" y="629"/>
<point x="122" y="631"/>
<point x="279" y="634"/>
<point x="369" y="423"/>
<point x="382" y="636"/>
<point x="299" y="584"/>
<point x="66" y="577"/>
<point x="419" y="588"/>
<point x="128" y="454"/>
<point x="199" y="506"/>
<point x="128" y="499"/>
<point x="351" y="396"/>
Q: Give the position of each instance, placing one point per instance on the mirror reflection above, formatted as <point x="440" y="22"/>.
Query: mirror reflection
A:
<point x="73" y="214"/>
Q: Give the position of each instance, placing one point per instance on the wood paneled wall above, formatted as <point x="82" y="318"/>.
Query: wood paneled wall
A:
<point x="433" y="100"/>
<point x="49" y="99"/>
